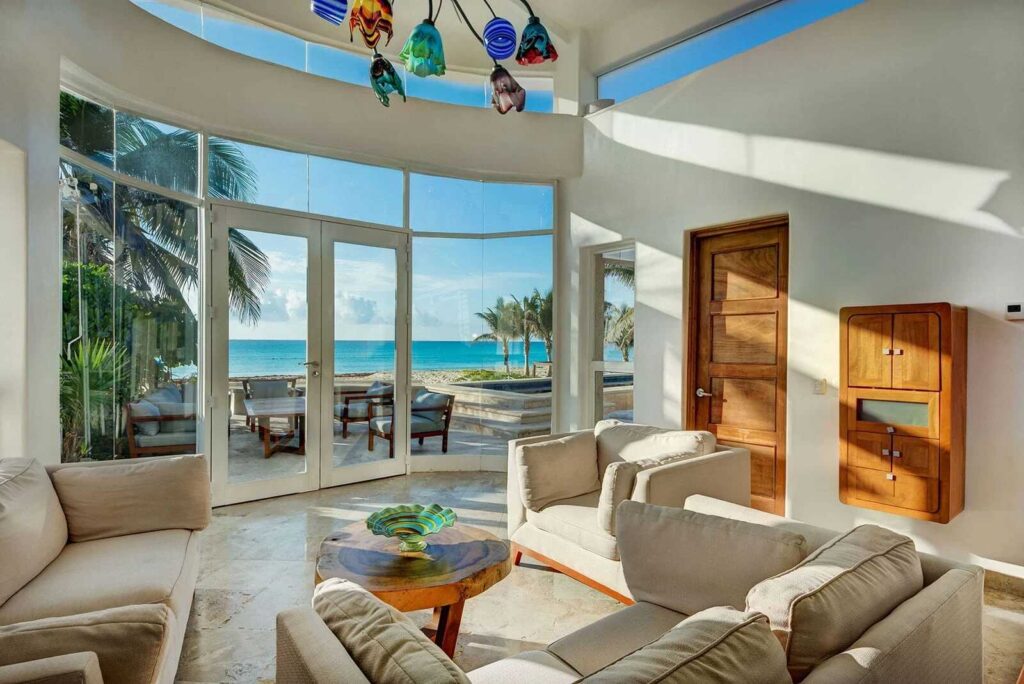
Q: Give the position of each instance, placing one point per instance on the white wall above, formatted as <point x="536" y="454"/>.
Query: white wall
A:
<point x="893" y="135"/>
<point x="113" y="50"/>
<point x="13" y="284"/>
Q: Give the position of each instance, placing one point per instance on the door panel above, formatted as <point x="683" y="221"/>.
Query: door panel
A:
<point x="870" y="450"/>
<point x="737" y="339"/>
<point x="870" y="338"/>
<point x="871" y="485"/>
<point x="916" y="493"/>
<point x="915" y="457"/>
<point x="915" y="361"/>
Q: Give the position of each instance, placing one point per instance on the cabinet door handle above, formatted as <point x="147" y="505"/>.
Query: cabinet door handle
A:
<point x="890" y="476"/>
<point x="890" y="429"/>
<point x="897" y="454"/>
<point x="897" y="352"/>
<point x="886" y="351"/>
<point x="885" y="452"/>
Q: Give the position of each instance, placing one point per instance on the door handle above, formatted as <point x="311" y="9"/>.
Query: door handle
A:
<point x="315" y="365"/>
<point x="701" y="393"/>
<point x="897" y="454"/>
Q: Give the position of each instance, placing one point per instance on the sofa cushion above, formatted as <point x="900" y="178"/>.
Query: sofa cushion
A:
<point x="557" y="469"/>
<point x="716" y="645"/>
<point x="154" y="567"/>
<point x="701" y="560"/>
<point x="533" y="667"/>
<point x="616" y="487"/>
<point x="575" y="520"/>
<point x="815" y="536"/>
<point x="129" y="641"/>
<point x="617" y="441"/>
<point x="177" y="409"/>
<point x="601" y="643"/>
<point x="385" y="644"/>
<point x="822" y="605"/>
<point x="33" y="529"/>
<point x="145" y="409"/>
<point x="138" y="496"/>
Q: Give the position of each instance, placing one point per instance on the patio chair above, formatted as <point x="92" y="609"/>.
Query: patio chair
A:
<point x="162" y="422"/>
<point x="353" y="406"/>
<point x="431" y="416"/>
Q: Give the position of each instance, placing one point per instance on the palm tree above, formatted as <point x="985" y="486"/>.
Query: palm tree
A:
<point x="544" y="320"/>
<point x="527" y="311"/>
<point x="504" y="327"/>
<point x="153" y="240"/>
<point x="622" y="272"/>
<point x="618" y="327"/>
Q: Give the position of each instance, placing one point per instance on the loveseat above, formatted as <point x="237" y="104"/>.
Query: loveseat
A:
<point x="99" y="566"/>
<point x="723" y="593"/>
<point x="563" y="491"/>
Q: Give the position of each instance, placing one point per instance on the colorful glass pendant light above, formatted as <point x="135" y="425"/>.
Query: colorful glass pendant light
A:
<point x="373" y="18"/>
<point x="499" y="38"/>
<point x="506" y="93"/>
<point x="423" y="53"/>
<point x="535" y="46"/>
<point x="330" y="10"/>
<point x="384" y="79"/>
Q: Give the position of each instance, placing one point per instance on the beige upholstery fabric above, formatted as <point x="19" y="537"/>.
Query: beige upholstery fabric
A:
<point x="715" y="645"/>
<point x="616" y="487"/>
<point x="815" y="536"/>
<point x="129" y="497"/>
<point x="309" y="653"/>
<point x="514" y="500"/>
<point x="617" y="441"/>
<point x="128" y="641"/>
<point x="822" y="605"/>
<point x="724" y="474"/>
<point x="935" y="636"/>
<point x="385" y="644"/>
<point x="575" y="521"/>
<point x="556" y="469"/>
<point x="689" y="561"/>
<point x="530" y="667"/>
<point x="598" y="568"/>
<point x="601" y="643"/>
<point x="155" y="567"/>
<point x="74" y="668"/>
<point x="32" y="525"/>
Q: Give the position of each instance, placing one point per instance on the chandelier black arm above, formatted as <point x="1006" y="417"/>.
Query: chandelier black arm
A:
<point x="466" y="19"/>
<point x="528" y="8"/>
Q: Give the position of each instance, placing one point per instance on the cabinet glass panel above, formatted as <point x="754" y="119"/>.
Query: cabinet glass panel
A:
<point x="893" y="412"/>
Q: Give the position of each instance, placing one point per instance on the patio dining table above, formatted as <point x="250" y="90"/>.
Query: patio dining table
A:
<point x="292" y="408"/>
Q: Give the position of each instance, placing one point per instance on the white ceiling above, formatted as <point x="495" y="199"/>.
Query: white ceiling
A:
<point x="565" y="19"/>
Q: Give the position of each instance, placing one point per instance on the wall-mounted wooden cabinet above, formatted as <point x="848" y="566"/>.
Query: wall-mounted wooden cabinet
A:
<point x="903" y="386"/>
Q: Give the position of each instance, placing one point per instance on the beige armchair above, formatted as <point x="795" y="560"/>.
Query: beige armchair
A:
<point x="563" y="491"/>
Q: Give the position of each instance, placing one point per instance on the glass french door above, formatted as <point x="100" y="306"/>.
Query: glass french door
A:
<point x="309" y="351"/>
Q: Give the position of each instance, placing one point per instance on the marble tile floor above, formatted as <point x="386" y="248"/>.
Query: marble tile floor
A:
<point x="258" y="559"/>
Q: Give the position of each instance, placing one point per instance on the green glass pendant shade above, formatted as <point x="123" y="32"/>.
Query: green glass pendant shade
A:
<point x="385" y="80"/>
<point x="423" y="53"/>
<point x="411" y="523"/>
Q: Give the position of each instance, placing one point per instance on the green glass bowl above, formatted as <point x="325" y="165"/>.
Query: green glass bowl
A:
<point x="411" y="523"/>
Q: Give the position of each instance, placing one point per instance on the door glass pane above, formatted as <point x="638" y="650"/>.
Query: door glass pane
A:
<point x="157" y="152"/>
<point x="87" y="128"/>
<point x="618" y="274"/>
<point x="267" y="347"/>
<point x="893" y="412"/>
<point x="355" y="191"/>
<point x="614" y="395"/>
<point x="365" y="296"/>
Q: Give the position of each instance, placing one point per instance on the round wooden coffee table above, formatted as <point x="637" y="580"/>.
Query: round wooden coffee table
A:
<point x="459" y="562"/>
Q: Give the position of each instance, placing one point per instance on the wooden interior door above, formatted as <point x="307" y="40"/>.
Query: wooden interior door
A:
<point x="737" y="346"/>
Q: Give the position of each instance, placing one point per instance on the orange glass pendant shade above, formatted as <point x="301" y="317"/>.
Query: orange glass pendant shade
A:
<point x="373" y="18"/>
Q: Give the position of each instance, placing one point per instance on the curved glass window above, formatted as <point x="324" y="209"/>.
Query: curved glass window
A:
<point x="259" y="41"/>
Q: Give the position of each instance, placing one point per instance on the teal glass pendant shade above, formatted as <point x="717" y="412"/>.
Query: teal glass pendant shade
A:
<point x="411" y="523"/>
<point x="385" y="80"/>
<point x="506" y="93"/>
<point x="535" y="47"/>
<point x="423" y="53"/>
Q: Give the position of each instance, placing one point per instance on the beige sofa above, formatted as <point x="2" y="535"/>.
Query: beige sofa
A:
<point x="99" y="567"/>
<point x="679" y="562"/>
<point x="563" y="491"/>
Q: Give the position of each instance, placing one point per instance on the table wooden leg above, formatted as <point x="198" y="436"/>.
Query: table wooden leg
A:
<point x="446" y="623"/>
<point x="268" y="449"/>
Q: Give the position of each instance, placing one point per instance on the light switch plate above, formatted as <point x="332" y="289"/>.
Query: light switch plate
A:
<point x="821" y="386"/>
<point x="1015" y="312"/>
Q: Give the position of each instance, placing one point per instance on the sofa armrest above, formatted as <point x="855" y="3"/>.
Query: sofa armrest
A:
<point x="73" y="668"/>
<point x="309" y="653"/>
<point x="724" y="475"/>
<point x="516" y="507"/>
<point x="116" y="498"/>
<point x="130" y="642"/>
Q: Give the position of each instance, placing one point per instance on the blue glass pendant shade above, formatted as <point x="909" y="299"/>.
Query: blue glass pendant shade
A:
<point x="330" y="10"/>
<point x="500" y="38"/>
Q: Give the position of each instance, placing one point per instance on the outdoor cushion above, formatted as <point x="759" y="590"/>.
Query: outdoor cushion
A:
<point x="33" y="529"/>
<point x="825" y="603"/>
<point x="557" y="469"/>
<point x="357" y="409"/>
<point x="128" y="641"/>
<point x="601" y="643"/>
<point x="168" y="394"/>
<point x="575" y="520"/>
<point x="716" y="645"/>
<point x="137" y="496"/>
<point x="385" y="644"/>
<point x="701" y="560"/>
<point x="631" y="442"/>
<point x="378" y="389"/>
<point x="177" y="409"/>
<point x="268" y="389"/>
<point x="154" y="567"/>
<point x="189" y="392"/>
<point x="182" y="439"/>
<point x="418" y="424"/>
<point x="428" y="400"/>
<point x="145" y="409"/>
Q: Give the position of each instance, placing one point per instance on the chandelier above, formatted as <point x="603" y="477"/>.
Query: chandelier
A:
<point x="423" y="52"/>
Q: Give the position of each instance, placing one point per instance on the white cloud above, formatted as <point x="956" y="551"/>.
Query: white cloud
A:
<point x="283" y="304"/>
<point x="355" y="310"/>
